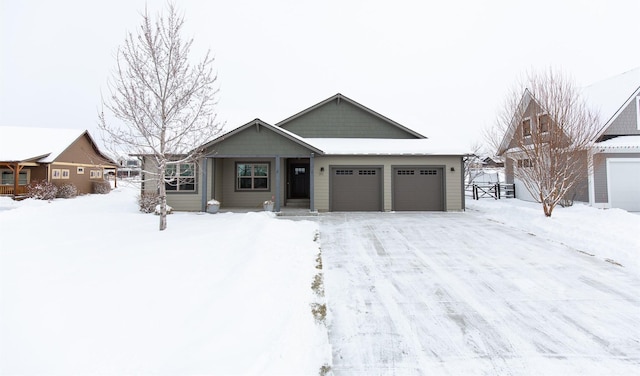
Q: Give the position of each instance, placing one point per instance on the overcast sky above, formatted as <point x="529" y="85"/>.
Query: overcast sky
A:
<point x="442" y="68"/>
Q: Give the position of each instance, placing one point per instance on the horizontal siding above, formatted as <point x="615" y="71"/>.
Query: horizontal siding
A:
<point x="453" y="179"/>
<point x="231" y="198"/>
<point x="601" y="194"/>
<point x="626" y="123"/>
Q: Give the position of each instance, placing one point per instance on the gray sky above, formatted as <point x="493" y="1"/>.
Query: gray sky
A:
<point x="442" y="68"/>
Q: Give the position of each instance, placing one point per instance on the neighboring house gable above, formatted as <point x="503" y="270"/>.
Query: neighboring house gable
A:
<point x="341" y="117"/>
<point x="61" y="156"/>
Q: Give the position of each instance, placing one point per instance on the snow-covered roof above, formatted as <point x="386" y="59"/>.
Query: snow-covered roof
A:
<point x="41" y="144"/>
<point x="611" y="95"/>
<point x="620" y="142"/>
<point x="380" y="146"/>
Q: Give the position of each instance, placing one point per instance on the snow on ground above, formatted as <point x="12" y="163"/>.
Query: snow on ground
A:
<point x="90" y="286"/>
<point x="609" y="234"/>
<point x="458" y="294"/>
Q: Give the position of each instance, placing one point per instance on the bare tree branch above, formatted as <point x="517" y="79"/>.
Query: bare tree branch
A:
<point x="164" y="105"/>
<point x="547" y="134"/>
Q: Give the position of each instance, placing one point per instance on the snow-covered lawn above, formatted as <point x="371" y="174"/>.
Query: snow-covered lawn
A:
<point x="607" y="234"/>
<point x="90" y="286"/>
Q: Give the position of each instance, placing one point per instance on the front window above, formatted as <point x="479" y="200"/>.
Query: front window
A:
<point x="7" y="178"/>
<point x="252" y="176"/>
<point x="180" y="177"/>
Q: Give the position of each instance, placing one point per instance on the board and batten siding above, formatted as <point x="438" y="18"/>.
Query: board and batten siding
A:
<point x="453" y="191"/>
<point x="257" y="140"/>
<point x="341" y="119"/>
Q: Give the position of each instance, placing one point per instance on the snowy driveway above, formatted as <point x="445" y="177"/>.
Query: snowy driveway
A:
<point x="451" y="293"/>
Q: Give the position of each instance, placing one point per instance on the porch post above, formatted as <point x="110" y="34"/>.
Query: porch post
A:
<point x="204" y="184"/>
<point x="311" y="184"/>
<point x="277" y="203"/>
<point x="16" y="179"/>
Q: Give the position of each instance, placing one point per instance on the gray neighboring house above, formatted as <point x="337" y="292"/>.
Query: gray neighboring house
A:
<point x="614" y="179"/>
<point x="337" y="155"/>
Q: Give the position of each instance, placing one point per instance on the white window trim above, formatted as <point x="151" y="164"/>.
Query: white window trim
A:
<point x="65" y="173"/>
<point x="638" y="112"/>
<point x="530" y="127"/>
<point x="95" y="174"/>
<point x="80" y="170"/>
<point x="538" y="121"/>
<point x="55" y="173"/>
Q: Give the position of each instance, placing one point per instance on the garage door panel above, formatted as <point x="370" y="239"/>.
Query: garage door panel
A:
<point x="418" y="189"/>
<point x="356" y="189"/>
<point x="624" y="184"/>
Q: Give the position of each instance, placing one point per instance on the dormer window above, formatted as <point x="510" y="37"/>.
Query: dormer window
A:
<point x="543" y="123"/>
<point x="526" y="127"/>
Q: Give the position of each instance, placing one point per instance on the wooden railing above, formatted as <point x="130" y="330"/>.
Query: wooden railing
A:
<point x="7" y="190"/>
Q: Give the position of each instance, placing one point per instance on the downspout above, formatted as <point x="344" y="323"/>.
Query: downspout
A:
<point x="312" y="205"/>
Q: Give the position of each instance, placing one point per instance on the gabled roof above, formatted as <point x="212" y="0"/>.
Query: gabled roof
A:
<point x="609" y="97"/>
<point x="527" y="97"/>
<point x="257" y="122"/>
<point x="612" y="95"/>
<point x="341" y="97"/>
<point x="42" y="145"/>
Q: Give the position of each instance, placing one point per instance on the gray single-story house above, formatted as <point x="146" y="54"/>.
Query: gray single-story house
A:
<point x="337" y="155"/>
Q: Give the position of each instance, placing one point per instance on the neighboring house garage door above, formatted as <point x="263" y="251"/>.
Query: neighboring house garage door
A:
<point x="356" y="189"/>
<point x="623" y="183"/>
<point x="418" y="188"/>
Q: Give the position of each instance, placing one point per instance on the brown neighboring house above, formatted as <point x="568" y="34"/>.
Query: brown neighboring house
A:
<point x="61" y="156"/>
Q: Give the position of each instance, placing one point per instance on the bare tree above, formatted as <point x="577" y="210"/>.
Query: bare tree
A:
<point x="164" y="104"/>
<point x="547" y="134"/>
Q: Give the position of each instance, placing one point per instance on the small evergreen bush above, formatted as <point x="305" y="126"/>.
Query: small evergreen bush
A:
<point x="42" y="190"/>
<point x="67" y="191"/>
<point x="101" y="187"/>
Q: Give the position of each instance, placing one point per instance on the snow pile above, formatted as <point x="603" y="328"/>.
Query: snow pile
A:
<point x="610" y="234"/>
<point x="90" y="286"/>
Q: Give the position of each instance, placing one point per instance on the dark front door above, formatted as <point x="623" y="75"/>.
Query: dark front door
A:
<point x="299" y="180"/>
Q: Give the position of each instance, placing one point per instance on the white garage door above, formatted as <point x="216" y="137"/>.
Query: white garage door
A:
<point x="623" y="183"/>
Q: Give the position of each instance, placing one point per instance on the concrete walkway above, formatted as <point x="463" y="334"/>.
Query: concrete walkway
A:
<point x="452" y="294"/>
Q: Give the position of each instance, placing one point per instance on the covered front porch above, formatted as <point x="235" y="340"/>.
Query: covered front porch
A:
<point x="245" y="182"/>
<point x="15" y="177"/>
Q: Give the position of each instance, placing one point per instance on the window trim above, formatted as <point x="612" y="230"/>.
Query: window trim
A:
<point x="522" y="125"/>
<point x="80" y="171"/>
<point x="55" y="173"/>
<point x="194" y="168"/>
<point x="540" y="115"/>
<point x="638" y="112"/>
<point x="95" y="174"/>
<point x="65" y="173"/>
<point x="252" y="163"/>
<point x="25" y="171"/>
